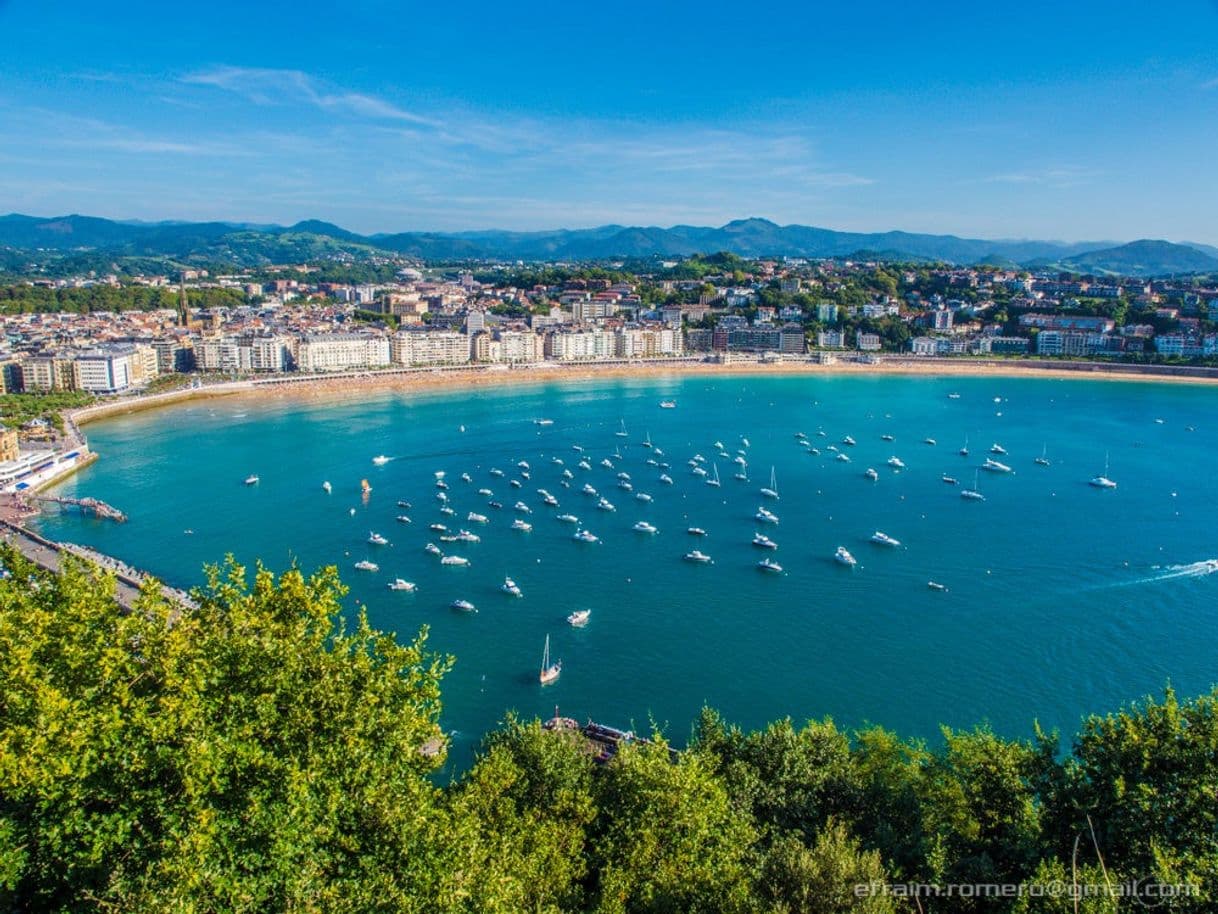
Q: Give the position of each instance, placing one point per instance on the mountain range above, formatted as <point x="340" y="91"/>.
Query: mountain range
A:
<point x="250" y="244"/>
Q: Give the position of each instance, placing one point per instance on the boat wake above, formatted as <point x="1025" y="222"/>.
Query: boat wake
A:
<point x="1193" y="570"/>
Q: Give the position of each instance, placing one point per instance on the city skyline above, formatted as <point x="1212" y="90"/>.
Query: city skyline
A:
<point x="1094" y="123"/>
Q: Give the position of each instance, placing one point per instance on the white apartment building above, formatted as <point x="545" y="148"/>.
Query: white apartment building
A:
<point x="108" y="370"/>
<point x="429" y="347"/>
<point x="520" y="346"/>
<point x="342" y="352"/>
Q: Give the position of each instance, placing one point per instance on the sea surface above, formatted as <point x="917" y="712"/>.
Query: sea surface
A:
<point x="1061" y="599"/>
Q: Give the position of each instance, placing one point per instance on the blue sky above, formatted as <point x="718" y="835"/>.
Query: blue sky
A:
<point x="1074" y="120"/>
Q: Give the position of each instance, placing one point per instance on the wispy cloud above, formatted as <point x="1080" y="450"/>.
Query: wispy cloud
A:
<point x="1058" y="177"/>
<point x="1210" y="84"/>
<point x="269" y="87"/>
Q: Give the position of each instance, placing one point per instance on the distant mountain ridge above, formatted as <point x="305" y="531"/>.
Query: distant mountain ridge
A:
<point x="246" y="244"/>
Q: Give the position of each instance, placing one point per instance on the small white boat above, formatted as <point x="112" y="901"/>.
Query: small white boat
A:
<point x="251" y="480"/>
<point x="700" y="558"/>
<point x="1043" y="459"/>
<point x="964" y="450"/>
<point x="327" y="487"/>
<point x="953" y="396"/>
<point x="644" y="527"/>
<point x="515" y="483"/>
<point x="377" y="540"/>
<point x="698" y="471"/>
<point x="887" y="438"/>
<point x="935" y="585"/>
<point x="522" y="525"/>
<point x="432" y="549"/>
<point x="549" y="500"/>
<point x="588" y="489"/>
<point x="1102" y="481"/>
<point x="997" y="449"/>
<point x="666" y="479"/>
<point x="403" y="519"/>
<point x="447" y="510"/>
<point x="973" y="494"/>
<point x="402" y="503"/>
<point x="843" y="556"/>
<point x="760" y="539"/>
<point x="872" y="474"/>
<point x="768" y="564"/>
<point x="896" y="463"/>
<point x="625" y="486"/>
<point x="579" y="618"/>
<point x="403" y="585"/>
<point x="950" y="480"/>
<point x="568" y="518"/>
<point x="439" y="528"/>
<point x="883" y="539"/>
<point x="668" y="404"/>
<point x="930" y="441"/>
<point x="475" y="518"/>
<point x="647" y="440"/>
<point x="843" y="458"/>
<point x="549" y="671"/>
<point x="365" y="565"/>
<point x="464" y="536"/>
<point x="380" y="460"/>
<point x="994" y="466"/>
<point x="714" y="480"/>
<point x="584" y="465"/>
<point x="464" y="605"/>
<point x="567" y="474"/>
<point x="486" y="493"/>
<point x="765" y="516"/>
<point x="621" y="432"/>
<point x="495" y="471"/>
<point x="543" y="422"/>
<point x="696" y="531"/>
<point x="771" y="491"/>
<point x="511" y="587"/>
<point x="848" y="440"/>
<point x="454" y="560"/>
<point x="642" y="496"/>
<point x="465" y="477"/>
<point x="586" y="536"/>
<point x="522" y="508"/>
<point x="605" y="505"/>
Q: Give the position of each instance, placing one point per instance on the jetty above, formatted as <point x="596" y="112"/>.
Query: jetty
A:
<point x="599" y="741"/>
<point x="87" y="505"/>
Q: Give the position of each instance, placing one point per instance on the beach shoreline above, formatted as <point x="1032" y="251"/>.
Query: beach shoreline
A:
<point x="349" y="385"/>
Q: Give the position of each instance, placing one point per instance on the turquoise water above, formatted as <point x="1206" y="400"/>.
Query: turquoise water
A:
<point x="1062" y="599"/>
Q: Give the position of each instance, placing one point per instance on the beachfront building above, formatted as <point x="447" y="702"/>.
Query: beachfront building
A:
<point x="110" y="369"/>
<point x="47" y="373"/>
<point x="581" y="345"/>
<point x="519" y="346"/>
<point x="429" y="347"/>
<point x="342" y="352"/>
<point x="831" y="339"/>
<point x="868" y="342"/>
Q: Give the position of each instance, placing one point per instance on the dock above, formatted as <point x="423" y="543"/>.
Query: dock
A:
<point x="87" y="505"/>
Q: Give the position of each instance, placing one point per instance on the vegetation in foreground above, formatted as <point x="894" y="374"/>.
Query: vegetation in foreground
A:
<point x="261" y="755"/>
<point x="18" y="409"/>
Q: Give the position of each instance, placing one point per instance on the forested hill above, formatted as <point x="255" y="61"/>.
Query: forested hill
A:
<point x="256" y="755"/>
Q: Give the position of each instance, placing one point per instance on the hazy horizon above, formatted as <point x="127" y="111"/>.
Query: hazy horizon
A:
<point x="1094" y="121"/>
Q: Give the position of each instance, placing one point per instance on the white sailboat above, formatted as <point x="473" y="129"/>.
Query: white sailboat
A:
<point x="974" y="493"/>
<point x="549" y="671"/>
<point x="621" y="432"/>
<point x="714" y="480"/>
<point x="1102" y="481"/>
<point x="772" y="490"/>
<point x="1043" y="459"/>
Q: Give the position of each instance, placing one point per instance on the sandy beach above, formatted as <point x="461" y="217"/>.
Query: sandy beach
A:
<point x="352" y="385"/>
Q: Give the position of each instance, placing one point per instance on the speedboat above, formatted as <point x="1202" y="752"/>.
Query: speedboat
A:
<point x="625" y="477"/>
<point x="464" y="605"/>
<point x="464" y="536"/>
<point x="404" y="504"/>
<point x="764" y="541"/>
<point x="251" y="480"/>
<point x="567" y="474"/>
<point x="568" y="518"/>
<point x="494" y="504"/>
<point x="589" y="490"/>
<point x="400" y="584"/>
<point x="843" y="556"/>
<point x="515" y="483"/>
<point x="586" y="536"/>
<point x="935" y="585"/>
<point x="549" y="500"/>
<point x="625" y="486"/>
<point x="439" y="528"/>
<point x="403" y="519"/>
<point x="887" y="438"/>
<point x="523" y="464"/>
<point x="326" y="485"/>
<point x="644" y="527"/>
<point x="543" y="422"/>
<point x="700" y="557"/>
<point x="557" y="461"/>
<point x="475" y="518"/>
<point x="953" y="396"/>
<point x="495" y="471"/>
<point x="997" y="449"/>
<point x="994" y="466"/>
<point x="522" y="508"/>
<point x="605" y="505"/>
<point x="607" y="463"/>
<point x="843" y="458"/>
<point x="666" y="479"/>
<point x="377" y="540"/>
<point x="871" y="474"/>
<point x="441" y="484"/>
<point x="432" y="549"/>
<point x="768" y="564"/>
<point x="579" y="618"/>
<point x="698" y="471"/>
<point x="950" y="480"/>
<point x="441" y="497"/>
<point x="380" y="460"/>
<point x="465" y="477"/>
<point x="642" y="496"/>
<point x="765" y="516"/>
<point x="511" y="587"/>
<point x="696" y="531"/>
<point x="486" y="493"/>
<point x="522" y="525"/>
<point x="447" y="510"/>
<point x="454" y="560"/>
<point x="930" y="441"/>
<point x="668" y="404"/>
<point x="584" y="465"/>
<point x="365" y="565"/>
<point x="848" y="440"/>
<point x="896" y="463"/>
<point x="883" y="539"/>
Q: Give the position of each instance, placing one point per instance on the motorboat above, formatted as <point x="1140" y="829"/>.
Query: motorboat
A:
<point x="327" y="487"/>
<point x="579" y="618"/>
<point x="589" y="490"/>
<point x="843" y="458"/>
<point x="700" y="558"/>
<point x="668" y="404"/>
<point x="586" y="536"/>
<point x="883" y="539"/>
<point x="439" y="528"/>
<point x="935" y="585"/>
<point x="365" y="565"/>
<point x="522" y="525"/>
<point x="764" y="541"/>
<point x="896" y="463"/>
<point x="511" y="587"/>
<point x="666" y="479"/>
<point x="843" y="556"/>
<point x="994" y="466"/>
<point x="887" y="437"/>
<point x="768" y="564"/>
<point x="696" y="531"/>
<point x="403" y="585"/>
<point x="605" y="505"/>
<point x="848" y="440"/>
<point x="403" y="519"/>
<point x="568" y="518"/>
<point x="377" y="540"/>
<point x="644" y="527"/>
<point x="464" y="605"/>
<point x="475" y="518"/>
<point x="765" y="516"/>
<point x="454" y="560"/>
<point x="486" y="493"/>
<point x="464" y="536"/>
<point x="432" y="549"/>
<point x="522" y="508"/>
<point x="871" y="474"/>
<point x="950" y="480"/>
<point x="997" y="449"/>
<point x="402" y="503"/>
<point x="642" y="496"/>
<point x="251" y="480"/>
<point x="380" y="460"/>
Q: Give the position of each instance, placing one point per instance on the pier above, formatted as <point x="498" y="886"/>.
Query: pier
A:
<point x="94" y="506"/>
